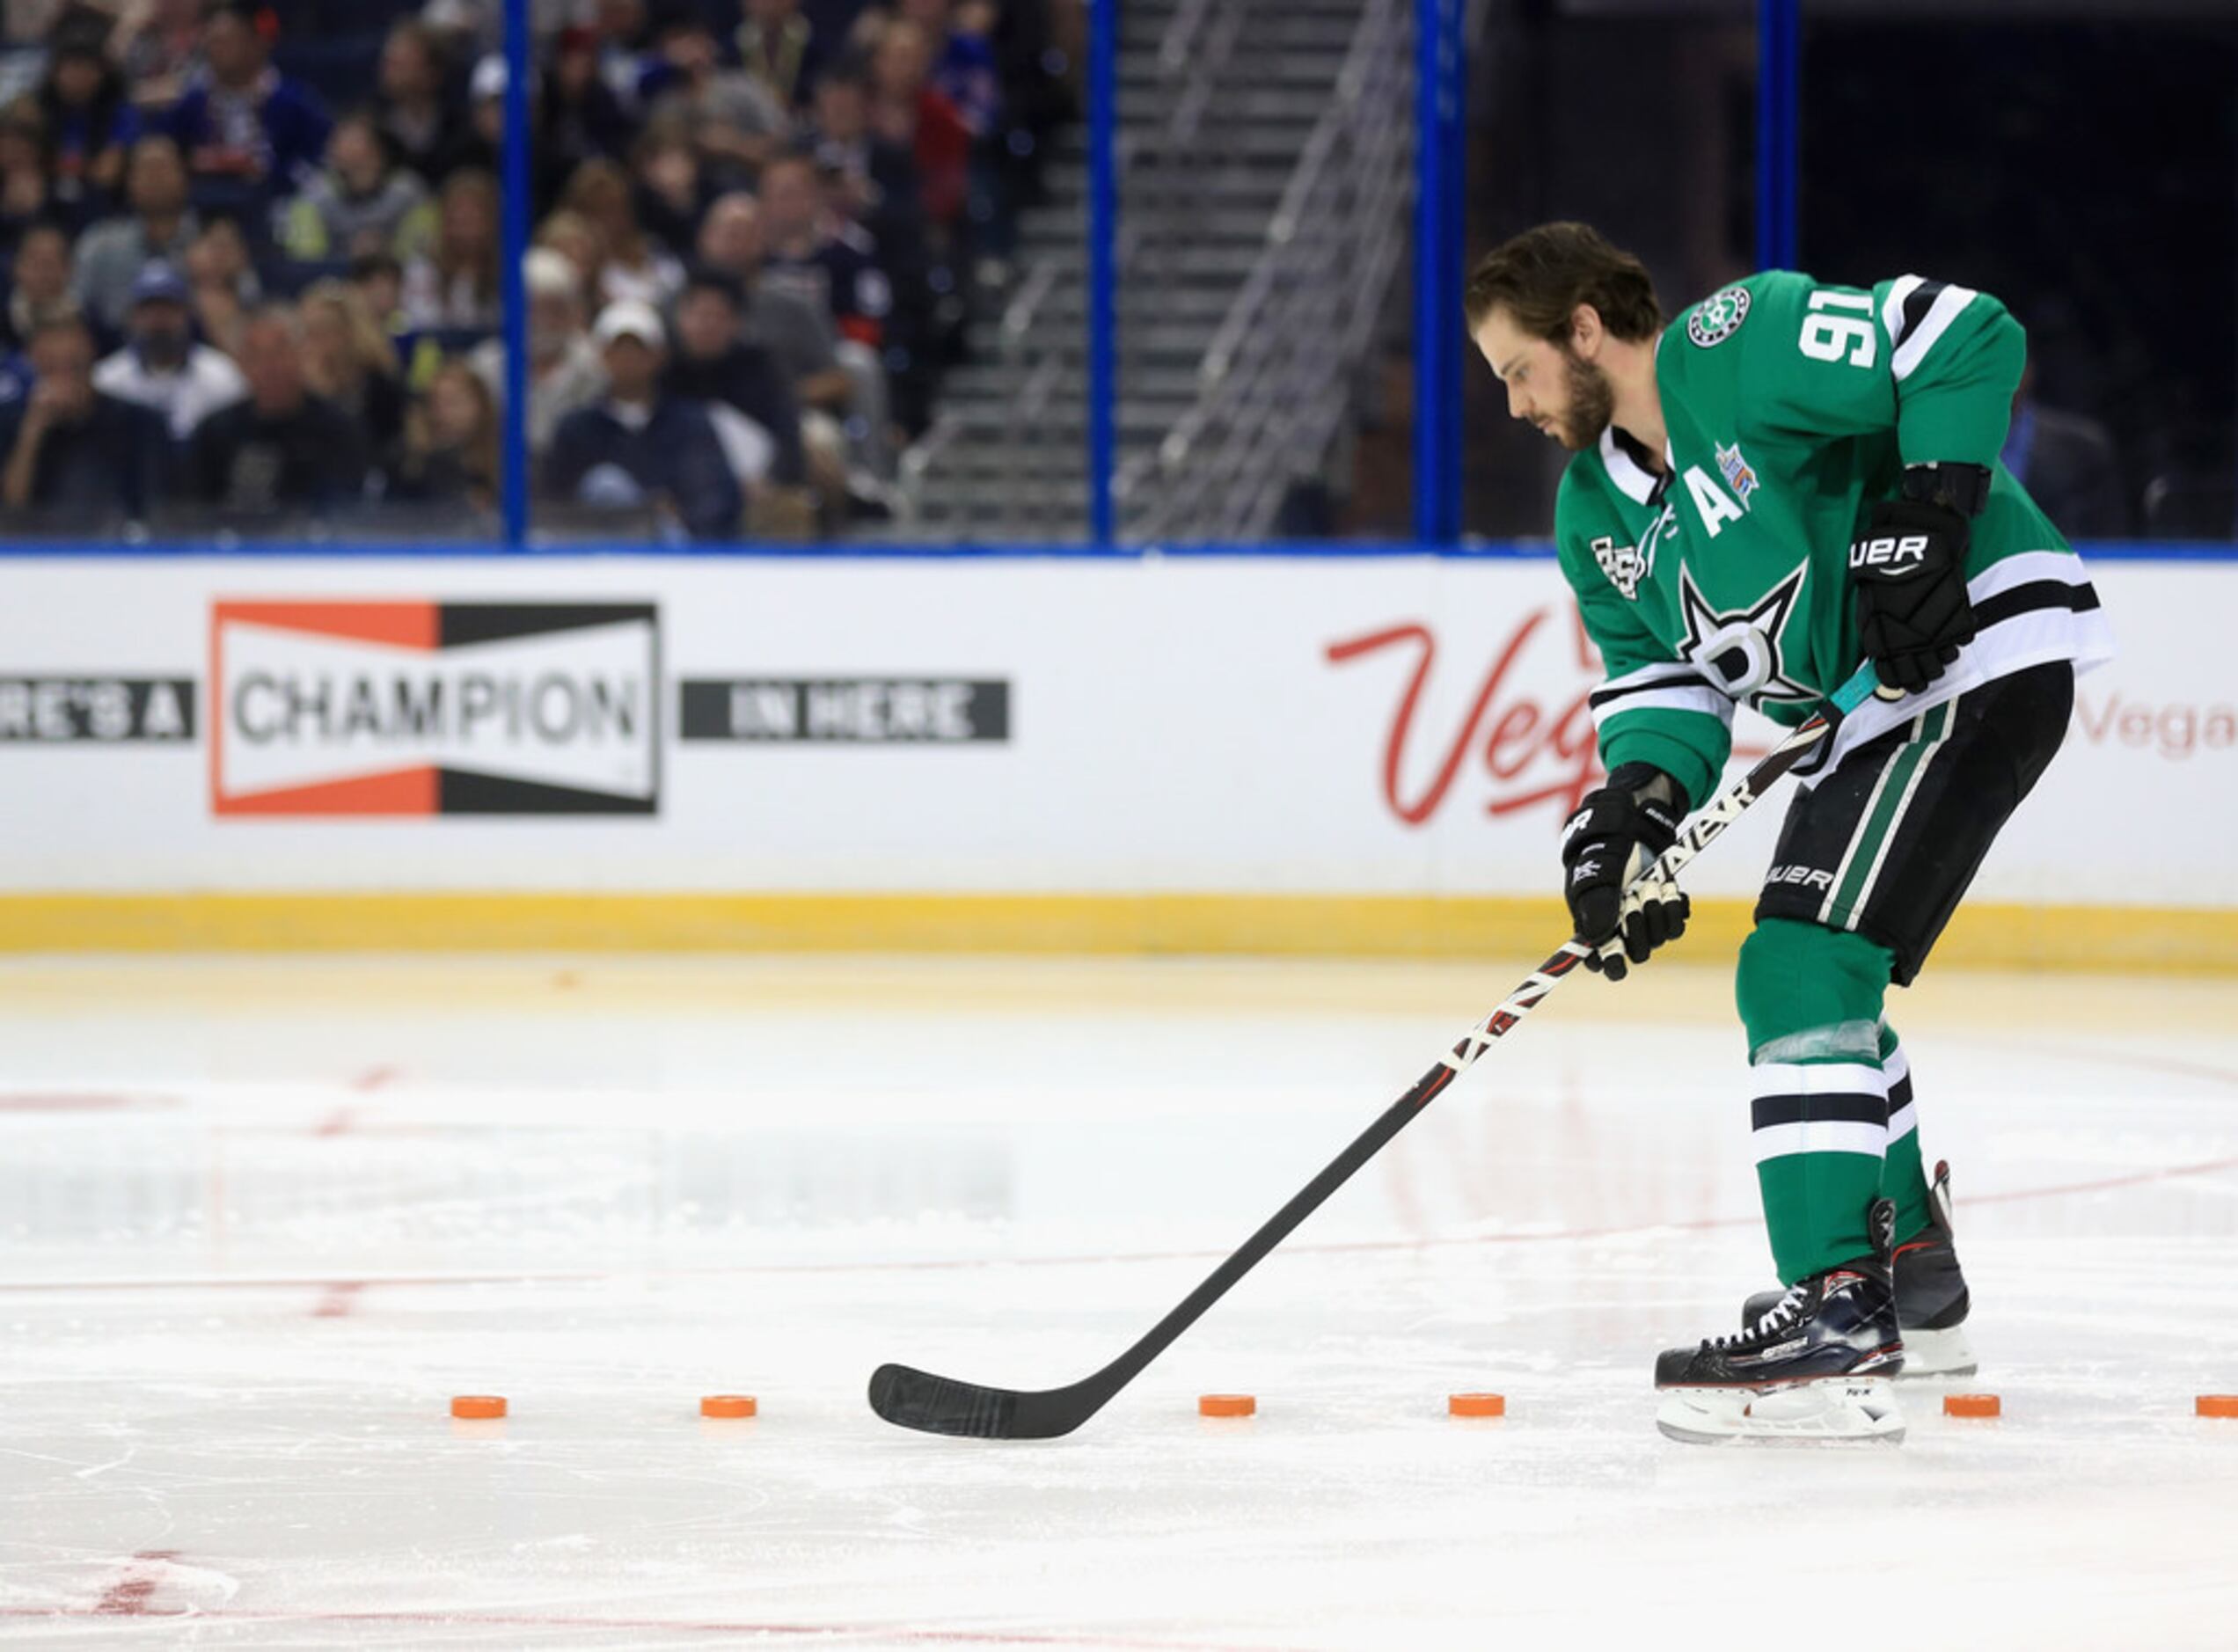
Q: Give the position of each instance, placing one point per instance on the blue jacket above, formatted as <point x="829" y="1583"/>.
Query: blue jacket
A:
<point x="677" y="454"/>
<point x="294" y="129"/>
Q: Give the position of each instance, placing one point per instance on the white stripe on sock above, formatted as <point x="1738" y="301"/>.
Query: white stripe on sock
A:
<point x="1821" y="1135"/>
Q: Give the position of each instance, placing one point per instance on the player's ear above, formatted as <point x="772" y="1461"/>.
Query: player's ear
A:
<point x="1585" y="331"/>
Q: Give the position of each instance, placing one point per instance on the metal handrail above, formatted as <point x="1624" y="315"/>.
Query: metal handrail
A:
<point x="1193" y="51"/>
<point x="1273" y="381"/>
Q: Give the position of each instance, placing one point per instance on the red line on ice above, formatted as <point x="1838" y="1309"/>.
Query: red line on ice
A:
<point x="340" y="1299"/>
<point x="128" y="1597"/>
<point x="2134" y="1179"/>
<point x="1329" y="1247"/>
<point x="882" y="1632"/>
<point x="36" y="1102"/>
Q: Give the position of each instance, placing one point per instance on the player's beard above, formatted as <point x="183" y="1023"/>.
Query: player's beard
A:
<point x="1592" y="403"/>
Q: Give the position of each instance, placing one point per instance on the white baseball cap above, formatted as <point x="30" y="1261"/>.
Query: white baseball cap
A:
<point x="631" y="318"/>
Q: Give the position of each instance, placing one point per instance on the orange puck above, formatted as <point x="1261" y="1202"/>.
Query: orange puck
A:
<point x="1226" y="1405"/>
<point x="1972" y="1406"/>
<point x="727" y="1406"/>
<point x="479" y="1406"/>
<point x="2217" y="1405"/>
<point x="1477" y="1405"/>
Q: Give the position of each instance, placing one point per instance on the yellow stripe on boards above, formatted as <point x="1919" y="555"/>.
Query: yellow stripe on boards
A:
<point x="1983" y="936"/>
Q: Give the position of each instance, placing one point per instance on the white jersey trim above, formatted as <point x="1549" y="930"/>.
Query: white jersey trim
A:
<point x="2038" y="637"/>
<point x="1677" y="697"/>
<point x="1631" y="480"/>
<point x="1945" y="310"/>
<point x="1892" y="306"/>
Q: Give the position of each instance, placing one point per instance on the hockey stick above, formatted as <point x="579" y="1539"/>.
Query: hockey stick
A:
<point x="918" y="1400"/>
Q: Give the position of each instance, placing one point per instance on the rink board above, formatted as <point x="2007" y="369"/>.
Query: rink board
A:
<point x="1343" y="754"/>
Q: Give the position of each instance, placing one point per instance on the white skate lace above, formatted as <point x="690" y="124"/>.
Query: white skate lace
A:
<point x="1781" y="1315"/>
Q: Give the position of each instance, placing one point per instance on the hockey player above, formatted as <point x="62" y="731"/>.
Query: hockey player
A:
<point x="1789" y="479"/>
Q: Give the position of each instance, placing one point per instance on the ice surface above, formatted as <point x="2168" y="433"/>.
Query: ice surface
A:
<point x="259" y="1220"/>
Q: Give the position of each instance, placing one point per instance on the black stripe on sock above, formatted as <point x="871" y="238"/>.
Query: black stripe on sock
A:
<point x="1766" y="1111"/>
<point x="1900" y="1094"/>
<point x="1916" y="307"/>
<point x="2034" y="597"/>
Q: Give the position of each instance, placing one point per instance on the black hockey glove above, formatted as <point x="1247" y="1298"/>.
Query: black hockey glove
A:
<point x="1615" y="837"/>
<point x="1909" y="572"/>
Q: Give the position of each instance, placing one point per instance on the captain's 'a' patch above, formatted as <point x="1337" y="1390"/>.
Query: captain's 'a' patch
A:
<point x="1718" y="317"/>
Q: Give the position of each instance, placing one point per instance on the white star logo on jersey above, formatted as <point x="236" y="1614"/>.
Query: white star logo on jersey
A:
<point x="1739" y="653"/>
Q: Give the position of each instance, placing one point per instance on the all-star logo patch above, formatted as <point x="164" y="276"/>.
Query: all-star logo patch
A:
<point x="1623" y="564"/>
<point x="1718" y="317"/>
<point x="1739" y="474"/>
<point x="1739" y="652"/>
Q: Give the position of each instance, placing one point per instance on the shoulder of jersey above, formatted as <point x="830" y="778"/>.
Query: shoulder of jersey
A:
<point x="1724" y="316"/>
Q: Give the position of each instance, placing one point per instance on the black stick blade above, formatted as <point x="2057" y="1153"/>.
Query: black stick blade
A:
<point x="918" y="1400"/>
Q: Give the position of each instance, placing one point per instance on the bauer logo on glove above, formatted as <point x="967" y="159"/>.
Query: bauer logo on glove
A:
<point x="1610" y="846"/>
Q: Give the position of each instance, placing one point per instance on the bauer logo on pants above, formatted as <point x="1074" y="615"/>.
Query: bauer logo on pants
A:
<point x="368" y="708"/>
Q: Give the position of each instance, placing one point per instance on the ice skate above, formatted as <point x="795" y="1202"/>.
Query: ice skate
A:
<point x="1815" y="1366"/>
<point x="1931" y="1300"/>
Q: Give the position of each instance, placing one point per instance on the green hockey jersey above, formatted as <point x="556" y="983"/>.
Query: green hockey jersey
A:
<point x="1791" y="406"/>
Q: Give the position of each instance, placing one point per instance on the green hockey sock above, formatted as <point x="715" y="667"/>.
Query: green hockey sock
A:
<point x="1904" y="1181"/>
<point x="1810" y="1000"/>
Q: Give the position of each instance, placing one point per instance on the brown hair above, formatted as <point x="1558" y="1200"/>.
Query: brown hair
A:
<point x="480" y="460"/>
<point x="1542" y="276"/>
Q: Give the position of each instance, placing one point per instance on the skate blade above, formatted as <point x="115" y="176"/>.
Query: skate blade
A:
<point x="1839" y="1409"/>
<point x="1938" y="1354"/>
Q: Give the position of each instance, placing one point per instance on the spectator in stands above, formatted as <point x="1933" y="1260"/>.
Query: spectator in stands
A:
<point x="282" y="448"/>
<point x="157" y="43"/>
<point x="161" y="367"/>
<point x="962" y="58"/>
<point x="450" y="443"/>
<point x="456" y="284"/>
<point x="242" y="120"/>
<point x="350" y="360"/>
<point x="671" y="193"/>
<point x="26" y="195"/>
<point x="622" y="32"/>
<point x="576" y="239"/>
<point x="876" y="176"/>
<point x="40" y="291"/>
<point x="633" y="266"/>
<point x="225" y="282"/>
<point x="779" y="47"/>
<point x="362" y="202"/>
<point x="68" y="447"/>
<point x="827" y="259"/>
<point x="465" y="29"/>
<point x="638" y="446"/>
<point x="90" y="121"/>
<point x="425" y="128"/>
<point x="578" y="118"/>
<point x="733" y="120"/>
<point x="715" y="363"/>
<point x="2066" y="461"/>
<point x="798" y="332"/>
<point x="112" y="253"/>
<point x="907" y="110"/>
<point x="379" y="280"/>
<point x="483" y="145"/>
<point x="564" y="371"/>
